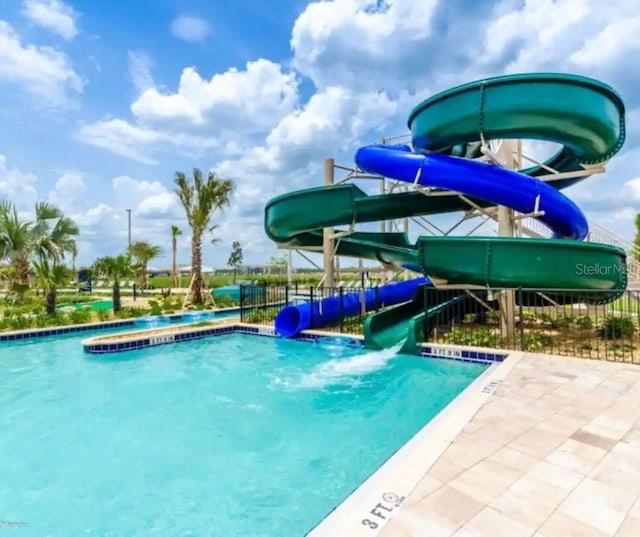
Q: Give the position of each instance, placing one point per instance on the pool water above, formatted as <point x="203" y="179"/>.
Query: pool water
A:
<point x="235" y="435"/>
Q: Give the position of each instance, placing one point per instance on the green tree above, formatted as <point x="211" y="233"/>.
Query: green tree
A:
<point x="51" y="276"/>
<point x="142" y="252"/>
<point x="15" y="242"/>
<point x="235" y="258"/>
<point x="51" y="235"/>
<point x="637" y="239"/>
<point x="175" y="233"/>
<point x="277" y="264"/>
<point x="201" y="198"/>
<point x="115" y="269"/>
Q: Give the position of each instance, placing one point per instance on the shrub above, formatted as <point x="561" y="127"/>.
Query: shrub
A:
<point x="19" y="322"/>
<point x="562" y="321"/>
<point x="529" y="317"/>
<point x="125" y="313"/>
<point x="537" y="342"/>
<point x="80" y="316"/>
<point x="584" y="322"/>
<point x="155" y="307"/>
<point x="474" y="338"/>
<point x="225" y="301"/>
<point x="622" y="349"/>
<point x="617" y="327"/>
<point x="42" y="320"/>
<point x="103" y="315"/>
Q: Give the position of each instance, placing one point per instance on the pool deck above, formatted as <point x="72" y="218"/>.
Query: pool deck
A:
<point x="554" y="451"/>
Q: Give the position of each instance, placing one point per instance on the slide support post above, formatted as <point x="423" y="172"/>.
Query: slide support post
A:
<point x="328" y="243"/>
<point x="508" y="154"/>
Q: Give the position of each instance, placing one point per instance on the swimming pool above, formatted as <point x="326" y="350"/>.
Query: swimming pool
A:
<point x="235" y="435"/>
<point x="153" y="321"/>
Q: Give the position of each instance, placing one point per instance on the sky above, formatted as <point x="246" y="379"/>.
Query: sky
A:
<point x="101" y="106"/>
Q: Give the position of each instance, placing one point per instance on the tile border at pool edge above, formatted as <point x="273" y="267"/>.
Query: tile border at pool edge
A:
<point x="141" y="339"/>
<point x="18" y="335"/>
<point x="404" y="470"/>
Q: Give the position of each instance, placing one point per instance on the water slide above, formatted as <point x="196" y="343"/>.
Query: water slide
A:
<point x="292" y="320"/>
<point x="584" y="116"/>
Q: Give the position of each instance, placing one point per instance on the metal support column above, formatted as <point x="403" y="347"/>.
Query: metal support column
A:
<point x="508" y="154"/>
<point x="328" y="243"/>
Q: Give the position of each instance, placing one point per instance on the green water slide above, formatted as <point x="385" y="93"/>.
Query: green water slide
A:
<point x="584" y="116"/>
<point x="406" y="321"/>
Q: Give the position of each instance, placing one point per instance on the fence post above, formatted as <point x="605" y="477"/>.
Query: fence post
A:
<point x="341" y="309"/>
<point x="241" y="303"/>
<point x="286" y="295"/>
<point x="520" y="315"/>
<point x="425" y="307"/>
<point x="311" y="306"/>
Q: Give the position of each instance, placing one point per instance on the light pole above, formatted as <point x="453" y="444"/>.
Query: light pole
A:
<point x="129" y="217"/>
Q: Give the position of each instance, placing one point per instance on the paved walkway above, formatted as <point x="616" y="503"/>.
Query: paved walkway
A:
<point x="555" y="452"/>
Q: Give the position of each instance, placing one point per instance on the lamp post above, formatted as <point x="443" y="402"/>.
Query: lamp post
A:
<point x="129" y="217"/>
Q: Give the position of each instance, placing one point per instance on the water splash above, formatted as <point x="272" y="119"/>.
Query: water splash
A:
<point x="347" y="370"/>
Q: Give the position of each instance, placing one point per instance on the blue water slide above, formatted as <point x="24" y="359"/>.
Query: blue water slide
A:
<point x="477" y="180"/>
<point x="294" y="319"/>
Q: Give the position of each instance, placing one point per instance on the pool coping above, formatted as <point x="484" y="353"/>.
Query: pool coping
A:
<point x="28" y="333"/>
<point x="179" y="332"/>
<point x="31" y="333"/>
<point x="379" y="497"/>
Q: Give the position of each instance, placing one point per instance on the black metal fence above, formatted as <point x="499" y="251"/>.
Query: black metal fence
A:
<point x="261" y="303"/>
<point x="589" y="324"/>
<point x="579" y="323"/>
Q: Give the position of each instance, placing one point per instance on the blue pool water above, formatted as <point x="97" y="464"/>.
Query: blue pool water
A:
<point x="236" y="435"/>
<point x="153" y="321"/>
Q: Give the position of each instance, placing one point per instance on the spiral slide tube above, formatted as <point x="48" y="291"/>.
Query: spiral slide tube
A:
<point x="294" y="319"/>
<point x="584" y="116"/>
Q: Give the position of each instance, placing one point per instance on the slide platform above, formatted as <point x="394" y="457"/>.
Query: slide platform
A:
<point x="584" y="116"/>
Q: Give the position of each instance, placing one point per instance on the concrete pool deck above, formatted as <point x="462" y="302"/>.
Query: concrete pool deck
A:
<point x="554" y="451"/>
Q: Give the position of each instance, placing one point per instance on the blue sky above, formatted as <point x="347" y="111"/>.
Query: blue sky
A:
<point x="100" y="107"/>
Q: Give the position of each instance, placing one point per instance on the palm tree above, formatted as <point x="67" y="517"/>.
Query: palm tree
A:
<point x="15" y="241"/>
<point x="51" y="275"/>
<point x="175" y="233"/>
<point x="51" y="235"/>
<point x="114" y="269"/>
<point x="53" y="232"/>
<point x="200" y="200"/>
<point x="143" y="252"/>
<point x="637" y="239"/>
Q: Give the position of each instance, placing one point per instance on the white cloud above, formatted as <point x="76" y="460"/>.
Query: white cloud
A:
<point x="568" y="35"/>
<point x="201" y="114"/>
<point x="122" y="138"/>
<point x="240" y="100"/>
<point x="370" y="63"/>
<point x="612" y="44"/>
<point x="17" y="186"/>
<point x="633" y="189"/>
<point x="146" y="198"/>
<point x="355" y="44"/>
<point x="53" y="15"/>
<point x="41" y="71"/>
<point x="190" y="28"/>
<point x="140" y="70"/>
<point x="69" y="189"/>
<point x="104" y="226"/>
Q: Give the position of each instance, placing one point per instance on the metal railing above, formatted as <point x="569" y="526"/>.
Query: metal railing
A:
<point x="260" y="304"/>
<point x="567" y="322"/>
<point x="586" y="324"/>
